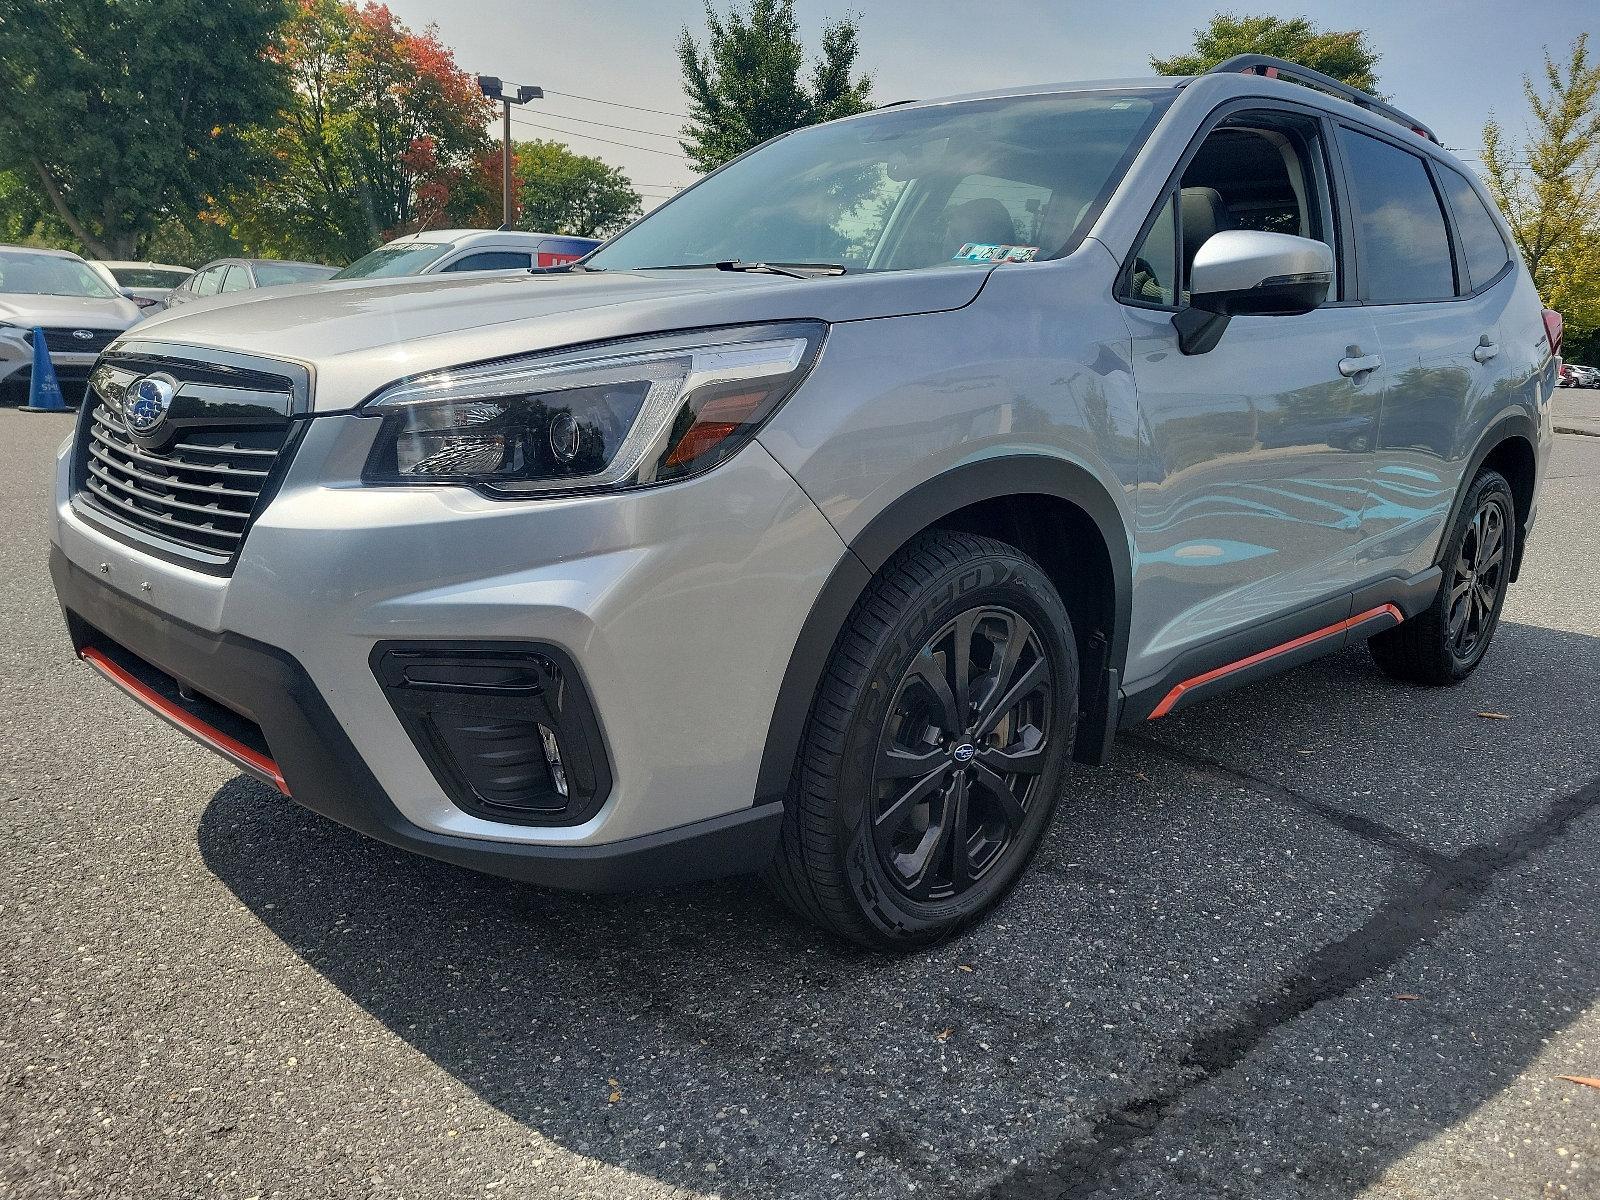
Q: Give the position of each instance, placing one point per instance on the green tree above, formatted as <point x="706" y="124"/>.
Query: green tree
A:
<point x="746" y="85"/>
<point x="1548" y="185"/>
<point x="121" y="113"/>
<point x="1345" y="55"/>
<point x="561" y="192"/>
<point x="382" y="127"/>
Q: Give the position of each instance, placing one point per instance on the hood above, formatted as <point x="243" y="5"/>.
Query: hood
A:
<point x="358" y="335"/>
<point x="26" y="309"/>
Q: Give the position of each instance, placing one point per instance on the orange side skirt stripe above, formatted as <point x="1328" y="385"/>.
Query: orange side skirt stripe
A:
<point x="1333" y="630"/>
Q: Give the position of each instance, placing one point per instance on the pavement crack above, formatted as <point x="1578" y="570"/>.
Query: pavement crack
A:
<point x="1407" y="919"/>
<point x="1352" y="823"/>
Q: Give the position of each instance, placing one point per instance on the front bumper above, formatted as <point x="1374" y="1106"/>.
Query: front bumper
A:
<point x="679" y="605"/>
<point x="146" y="652"/>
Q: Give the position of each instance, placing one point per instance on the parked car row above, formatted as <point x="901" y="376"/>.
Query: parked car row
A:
<point x="1574" y="375"/>
<point x="82" y="306"/>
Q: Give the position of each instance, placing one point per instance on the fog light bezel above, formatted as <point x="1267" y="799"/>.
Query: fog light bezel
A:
<point x="551" y="693"/>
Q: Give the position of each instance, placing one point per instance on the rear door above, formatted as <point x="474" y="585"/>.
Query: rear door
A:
<point x="1255" y="454"/>
<point x="1438" y="321"/>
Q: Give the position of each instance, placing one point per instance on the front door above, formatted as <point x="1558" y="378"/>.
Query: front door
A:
<point x="1256" y="455"/>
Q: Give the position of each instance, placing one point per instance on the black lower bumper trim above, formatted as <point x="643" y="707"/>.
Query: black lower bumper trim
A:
<point x="323" y="771"/>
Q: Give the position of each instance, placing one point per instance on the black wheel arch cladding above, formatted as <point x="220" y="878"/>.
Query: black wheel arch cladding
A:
<point x="1005" y="477"/>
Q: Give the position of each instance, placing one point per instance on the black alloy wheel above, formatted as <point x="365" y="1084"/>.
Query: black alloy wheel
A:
<point x="936" y="745"/>
<point x="963" y="747"/>
<point x="1478" y="581"/>
<point x="1445" y="642"/>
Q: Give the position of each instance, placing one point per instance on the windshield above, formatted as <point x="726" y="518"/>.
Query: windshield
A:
<point x="47" y="275"/>
<point x="270" y="273"/>
<point x="149" y="277"/>
<point x="394" y="260"/>
<point x="977" y="182"/>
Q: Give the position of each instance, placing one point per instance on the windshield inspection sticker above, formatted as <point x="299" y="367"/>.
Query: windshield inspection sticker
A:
<point x="984" y="252"/>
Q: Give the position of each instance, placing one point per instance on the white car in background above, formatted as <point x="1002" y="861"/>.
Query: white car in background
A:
<point x="78" y="310"/>
<point x="445" y="251"/>
<point x="147" y="284"/>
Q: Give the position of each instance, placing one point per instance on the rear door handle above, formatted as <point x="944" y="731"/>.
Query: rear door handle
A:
<point x="1358" y="363"/>
<point x="1485" y="349"/>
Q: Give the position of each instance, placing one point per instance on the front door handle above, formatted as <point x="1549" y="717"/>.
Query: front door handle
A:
<point x="1485" y="349"/>
<point x="1356" y="363"/>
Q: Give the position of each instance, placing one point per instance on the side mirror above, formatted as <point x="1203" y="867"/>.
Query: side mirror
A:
<point x="1245" y="272"/>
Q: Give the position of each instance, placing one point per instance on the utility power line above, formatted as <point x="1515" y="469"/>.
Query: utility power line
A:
<point x="622" y="128"/>
<point x="616" y="104"/>
<point x="595" y="138"/>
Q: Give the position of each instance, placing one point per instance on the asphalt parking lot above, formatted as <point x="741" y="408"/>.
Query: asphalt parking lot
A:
<point x="1330" y="936"/>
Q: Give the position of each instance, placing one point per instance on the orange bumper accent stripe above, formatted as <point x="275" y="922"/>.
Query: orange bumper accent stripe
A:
<point x="208" y="735"/>
<point x="1338" y="627"/>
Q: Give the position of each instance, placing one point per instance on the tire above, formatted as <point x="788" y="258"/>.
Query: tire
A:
<point x="889" y="777"/>
<point x="1443" y="644"/>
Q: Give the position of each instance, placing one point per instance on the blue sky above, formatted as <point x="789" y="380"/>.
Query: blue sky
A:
<point x="1449" y="63"/>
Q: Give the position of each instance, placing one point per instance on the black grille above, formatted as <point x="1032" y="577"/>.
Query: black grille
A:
<point x="196" y="482"/>
<point x="64" y="339"/>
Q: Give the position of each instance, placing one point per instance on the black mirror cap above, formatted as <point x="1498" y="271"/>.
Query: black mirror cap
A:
<point x="1201" y="325"/>
<point x="1283" y="296"/>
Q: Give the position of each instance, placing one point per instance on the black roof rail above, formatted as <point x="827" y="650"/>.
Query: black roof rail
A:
<point x="1282" y="68"/>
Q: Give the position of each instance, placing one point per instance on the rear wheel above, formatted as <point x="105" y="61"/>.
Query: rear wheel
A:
<point x="1445" y="643"/>
<point x="935" y="746"/>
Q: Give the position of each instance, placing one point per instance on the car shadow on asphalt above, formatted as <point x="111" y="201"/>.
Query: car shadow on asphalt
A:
<point x="1285" y="847"/>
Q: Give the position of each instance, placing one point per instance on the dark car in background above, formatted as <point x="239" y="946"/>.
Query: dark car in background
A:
<point x="227" y="275"/>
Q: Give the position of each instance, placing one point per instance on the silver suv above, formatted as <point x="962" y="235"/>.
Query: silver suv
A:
<point x="812" y="524"/>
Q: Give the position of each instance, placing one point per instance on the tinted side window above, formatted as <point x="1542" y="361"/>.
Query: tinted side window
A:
<point x="490" y="260"/>
<point x="1404" y="248"/>
<point x="236" y="280"/>
<point x="206" y="283"/>
<point x="1481" y="242"/>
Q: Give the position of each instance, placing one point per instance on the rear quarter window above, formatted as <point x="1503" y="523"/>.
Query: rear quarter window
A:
<point x="1481" y="241"/>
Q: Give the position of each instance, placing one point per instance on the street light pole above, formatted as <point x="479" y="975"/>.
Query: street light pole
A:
<point x="507" y="202"/>
<point x="507" y="94"/>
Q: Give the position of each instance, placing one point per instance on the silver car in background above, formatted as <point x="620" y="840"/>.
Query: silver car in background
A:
<point x="147" y="284"/>
<point x="64" y="296"/>
<point x="453" y="251"/>
<point x="813" y="524"/>
<point x="227" y="276"/>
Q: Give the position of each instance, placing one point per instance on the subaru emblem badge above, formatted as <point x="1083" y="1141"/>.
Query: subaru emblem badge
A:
<point x="83" y="335"/>
<point x="146" y="403"/>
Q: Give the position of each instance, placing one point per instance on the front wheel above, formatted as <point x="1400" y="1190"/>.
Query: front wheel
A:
<point x="1446" y="642"/>
<point x="935" y="746"/>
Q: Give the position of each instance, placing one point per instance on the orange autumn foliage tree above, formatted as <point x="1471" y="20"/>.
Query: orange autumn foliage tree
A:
<point x="380" y="139"/>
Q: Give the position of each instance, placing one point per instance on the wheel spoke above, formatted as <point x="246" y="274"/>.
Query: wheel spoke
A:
<point x="961" y="666"/>
<point x="994" y="786"/>
<point x="890" y="821"/>
<point x="1032" y="677"/>
<point x="927" y="668"/>
<point x="895" y="763"/>
<point x="955" y="837"/>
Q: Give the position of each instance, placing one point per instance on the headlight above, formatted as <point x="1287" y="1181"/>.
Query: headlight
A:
<point x="638" y="413"/>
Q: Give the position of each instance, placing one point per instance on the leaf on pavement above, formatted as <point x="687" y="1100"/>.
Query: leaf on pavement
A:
<point x="1408" y="996"/>
<point x="1493" y="716"/>
<point x="1586" y="1080"/>
<point x="944" y="1034"/>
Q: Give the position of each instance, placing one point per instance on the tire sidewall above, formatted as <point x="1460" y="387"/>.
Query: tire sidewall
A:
<point x="995" y="579"/>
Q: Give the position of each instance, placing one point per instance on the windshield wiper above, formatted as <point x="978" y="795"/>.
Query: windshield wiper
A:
<point x="792" y="270"/>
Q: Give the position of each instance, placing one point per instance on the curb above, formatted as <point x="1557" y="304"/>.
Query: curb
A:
<point x="1595" y="432"/>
